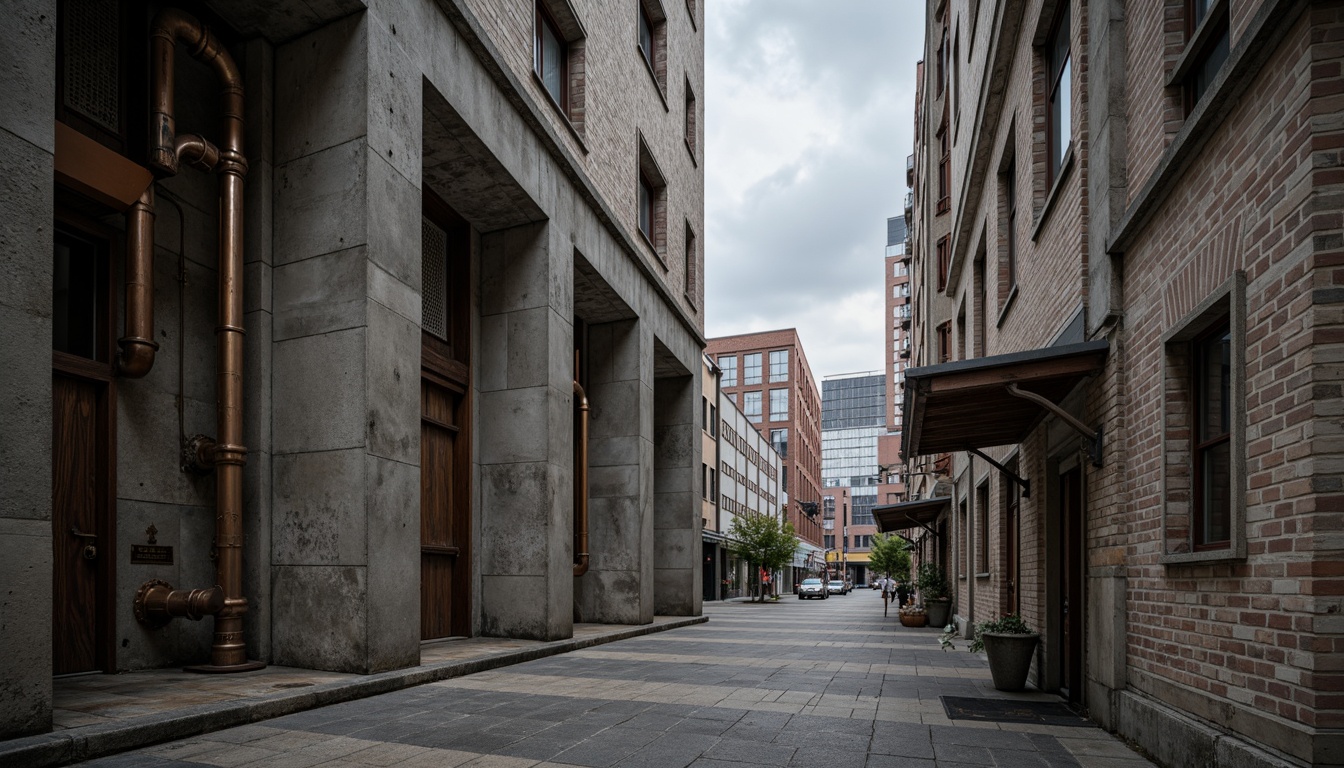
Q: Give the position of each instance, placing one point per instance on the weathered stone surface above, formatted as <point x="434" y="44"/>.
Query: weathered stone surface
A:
<point x="25" y="633"/>
<point x="322" y="294"/>
<point x="321" y="617"/>
<point x="321" y="89"/>
<point x="392" y="382"/>
<point x="318" y="391"/>
<point x="517" y="500"/>
<point x="319" y="514"/>
<point x="393" y="509"/>
<point x="321" y="202"/>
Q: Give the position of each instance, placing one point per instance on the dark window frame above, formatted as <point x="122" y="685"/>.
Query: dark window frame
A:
<point x="1208" y="42"/>
<point x="1219" y="333"/>
<point x="1056" y="149"/>
<point x="544" y="20"/>
<point x="944" y="252"/>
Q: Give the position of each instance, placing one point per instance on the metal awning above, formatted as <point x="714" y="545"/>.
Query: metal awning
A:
<point x="995" y="400"/>
<point x="921" y="513"/>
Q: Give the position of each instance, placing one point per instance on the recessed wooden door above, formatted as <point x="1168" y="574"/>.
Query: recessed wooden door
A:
<point x="81" y="387"/>
<point x="445" y="421"/>
<point x="1071" y="583"/>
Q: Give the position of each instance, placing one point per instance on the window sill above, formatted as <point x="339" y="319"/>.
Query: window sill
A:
<point x="559" y="110"/>
<point x="1198" y="42"/>
<point x="1007" y="305"/>
<point x="982" y="576"/>
<point x="1064" y="170"/>
<point x="656" y="253"/>
<point x="1207" y="556"/>
<point x="648" y="66"/>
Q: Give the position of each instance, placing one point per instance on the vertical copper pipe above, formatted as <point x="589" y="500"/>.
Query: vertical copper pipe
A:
<point x="172" y="26"/>
<point x="136" y="357"/>
<point x="580" y="476"/>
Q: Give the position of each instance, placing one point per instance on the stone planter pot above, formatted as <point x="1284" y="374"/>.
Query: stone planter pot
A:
<point x="938" y="611"/>
<point x="1009" y="658"/>
<point x="913" y="620"/>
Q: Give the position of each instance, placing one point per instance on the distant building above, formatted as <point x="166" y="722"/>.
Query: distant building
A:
<point x="853" y="420"/>
<point x="768" y="377"/>
<point x="897" y="297"/>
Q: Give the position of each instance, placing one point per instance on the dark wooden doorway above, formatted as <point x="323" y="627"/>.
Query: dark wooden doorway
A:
<point x="1071" y="606"/>
<point x="82" y="393"/>
<point x="445" y="424"/>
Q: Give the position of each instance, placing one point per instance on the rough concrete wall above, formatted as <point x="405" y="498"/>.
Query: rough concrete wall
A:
<point x="345" y="528"/>
<point x="620" y="449"/>
<point x="27" y="142"/>
<point x="524" y="437"/>
<point x="676" y="531"/>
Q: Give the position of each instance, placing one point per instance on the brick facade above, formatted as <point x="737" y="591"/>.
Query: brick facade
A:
<point x="1169" y="210"/>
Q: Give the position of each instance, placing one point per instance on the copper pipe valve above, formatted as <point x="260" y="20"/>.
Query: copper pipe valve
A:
<point x="157" y="603"/>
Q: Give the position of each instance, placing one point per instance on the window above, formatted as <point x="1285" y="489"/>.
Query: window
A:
<point x="704" y="413"/>
<point x="1008" y="271"/>
<point x="944" y="169"/>
<point x="713" y="421"/>
<point x="751" y="406"/>
<point x="1059" y="123"/>
<point x="779" y="366"/>
<point x="942" y="63"/>
<point x="779" y="440"/>
<point x="944" y="261"/>
<point x="828" y="540"/>
<point x="652" y="202"/>
<point x="689" y="129"/>
<point x="1207" y="41"/>
<point x="944" y="332"/>
<point x="751" y="368"/>
<point x="704" y="481"/>
<point x="779" y="405"/>
<point x="692" y="269"/>
<point x="558" y="53"/>
<point x="1204" y="405"/>
<point x="652" y="40"/>
<point x="550" y="59"/>
<point x="1212" y="365"/>
<point x="982" y="528"/>
<point x="728" y="364"/>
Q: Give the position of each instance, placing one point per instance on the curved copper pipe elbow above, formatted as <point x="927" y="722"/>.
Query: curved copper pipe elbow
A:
<point x="138" y="347"/>
<point x="172" y="26"/>
<point x="581" y="485"/>
<point x="196" y="152"/>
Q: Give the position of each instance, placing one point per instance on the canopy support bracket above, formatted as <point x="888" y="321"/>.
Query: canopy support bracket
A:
<point x="1094" y="437"/>
<point x="1025" y="485"/>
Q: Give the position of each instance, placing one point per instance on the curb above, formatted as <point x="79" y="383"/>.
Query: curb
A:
<point x="93" y="741"/>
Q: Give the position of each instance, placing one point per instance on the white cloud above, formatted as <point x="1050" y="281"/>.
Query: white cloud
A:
<point x="808" y="121"/>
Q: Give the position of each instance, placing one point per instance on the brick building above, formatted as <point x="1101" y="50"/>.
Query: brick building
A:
<point x="1126" y="241"/>
<point x="445" y="225"/>
<point x="767" y="375"/>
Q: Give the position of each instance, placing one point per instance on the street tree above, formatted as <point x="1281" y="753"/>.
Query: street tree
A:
<point x="890" y="556"/>
<point x="763" y="541"/>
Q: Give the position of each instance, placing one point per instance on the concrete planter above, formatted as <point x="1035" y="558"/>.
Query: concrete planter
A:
<point x="1009" y="658"/>
<point x="938" y="611"/>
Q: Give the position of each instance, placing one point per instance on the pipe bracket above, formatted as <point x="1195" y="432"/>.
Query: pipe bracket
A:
<point x="199" y="455"/>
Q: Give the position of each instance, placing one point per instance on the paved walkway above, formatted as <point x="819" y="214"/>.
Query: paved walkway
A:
<point x="824" y="684"/>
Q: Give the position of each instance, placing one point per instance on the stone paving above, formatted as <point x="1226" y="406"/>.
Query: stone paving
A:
<point x="827" y="684"/>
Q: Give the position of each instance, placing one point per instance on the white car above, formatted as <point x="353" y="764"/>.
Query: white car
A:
<point x="812" y="588"/>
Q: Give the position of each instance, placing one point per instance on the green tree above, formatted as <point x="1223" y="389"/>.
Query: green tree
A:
<point x="890" y="555"/>
<point x="763" y="541"/>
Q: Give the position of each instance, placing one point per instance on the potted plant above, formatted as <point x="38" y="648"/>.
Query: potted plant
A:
<point x="912" y="615"/>
<point x="1010" y="644"/>
<point x="932" y="583"/>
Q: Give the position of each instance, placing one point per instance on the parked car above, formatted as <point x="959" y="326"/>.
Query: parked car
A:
<point x="836" y="587"/>
<point x="812" y="588"/>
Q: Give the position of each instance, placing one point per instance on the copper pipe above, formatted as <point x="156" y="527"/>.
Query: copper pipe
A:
<point x="580" y="476"/>
<point x="167" y="152"/>
<point x="138" y="347"/>
<point x="156" y="603"/>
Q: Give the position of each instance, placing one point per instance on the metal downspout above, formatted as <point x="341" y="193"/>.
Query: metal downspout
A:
<point x="226" y="453"/>
<point x="580" y="476"/>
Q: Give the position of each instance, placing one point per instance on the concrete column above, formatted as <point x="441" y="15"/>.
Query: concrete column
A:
<point x="27" y="142"/>
<point x="346" y="356"/>
<point x="523" y="437"/>
<point x="676" y="461"/>
<point x="618" y="588"/>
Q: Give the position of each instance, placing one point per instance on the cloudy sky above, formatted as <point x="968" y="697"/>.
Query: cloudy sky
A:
<point x="808" y="120"/>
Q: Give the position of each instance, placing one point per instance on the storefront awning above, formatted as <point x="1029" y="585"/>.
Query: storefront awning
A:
<point x="921" y="513"/>
<point x="995" y="400"/>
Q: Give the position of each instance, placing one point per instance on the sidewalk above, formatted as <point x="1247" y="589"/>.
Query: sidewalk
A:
<point x="97" y="715"/>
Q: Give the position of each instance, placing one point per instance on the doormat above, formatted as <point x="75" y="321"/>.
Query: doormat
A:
<point x="1013" y="711"/>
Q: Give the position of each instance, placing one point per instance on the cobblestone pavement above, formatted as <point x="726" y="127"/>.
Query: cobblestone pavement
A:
<point x="824" y="684"/>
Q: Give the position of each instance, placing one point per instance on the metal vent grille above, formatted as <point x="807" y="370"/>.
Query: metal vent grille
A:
<point x="92" y="61"/>
<point x="434" y="279"/>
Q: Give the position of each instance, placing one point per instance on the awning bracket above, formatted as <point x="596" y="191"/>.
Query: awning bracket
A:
<point x="930" y="531"/>
<point x="1094" y="437"/>
<point x="1024" y="484"/>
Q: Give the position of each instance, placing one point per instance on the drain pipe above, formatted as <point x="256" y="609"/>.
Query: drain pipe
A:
<point x="580" y="476"/>
<point x="159" y="603"/>
<point x="138" y="347"/>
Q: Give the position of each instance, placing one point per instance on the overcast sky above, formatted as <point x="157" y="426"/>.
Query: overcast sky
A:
<point x="808" y="120"/>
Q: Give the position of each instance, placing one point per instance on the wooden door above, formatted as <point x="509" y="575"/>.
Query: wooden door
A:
<point x="445" y="421"/>
<point x="81" y="481"/>
<point x="1071" y="584"/>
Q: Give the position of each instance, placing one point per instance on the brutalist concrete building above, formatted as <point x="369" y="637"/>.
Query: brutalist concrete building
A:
<point x="342" y="327"/>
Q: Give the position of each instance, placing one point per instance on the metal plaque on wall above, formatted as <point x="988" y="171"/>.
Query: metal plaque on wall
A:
<point x="149" y="554"/>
